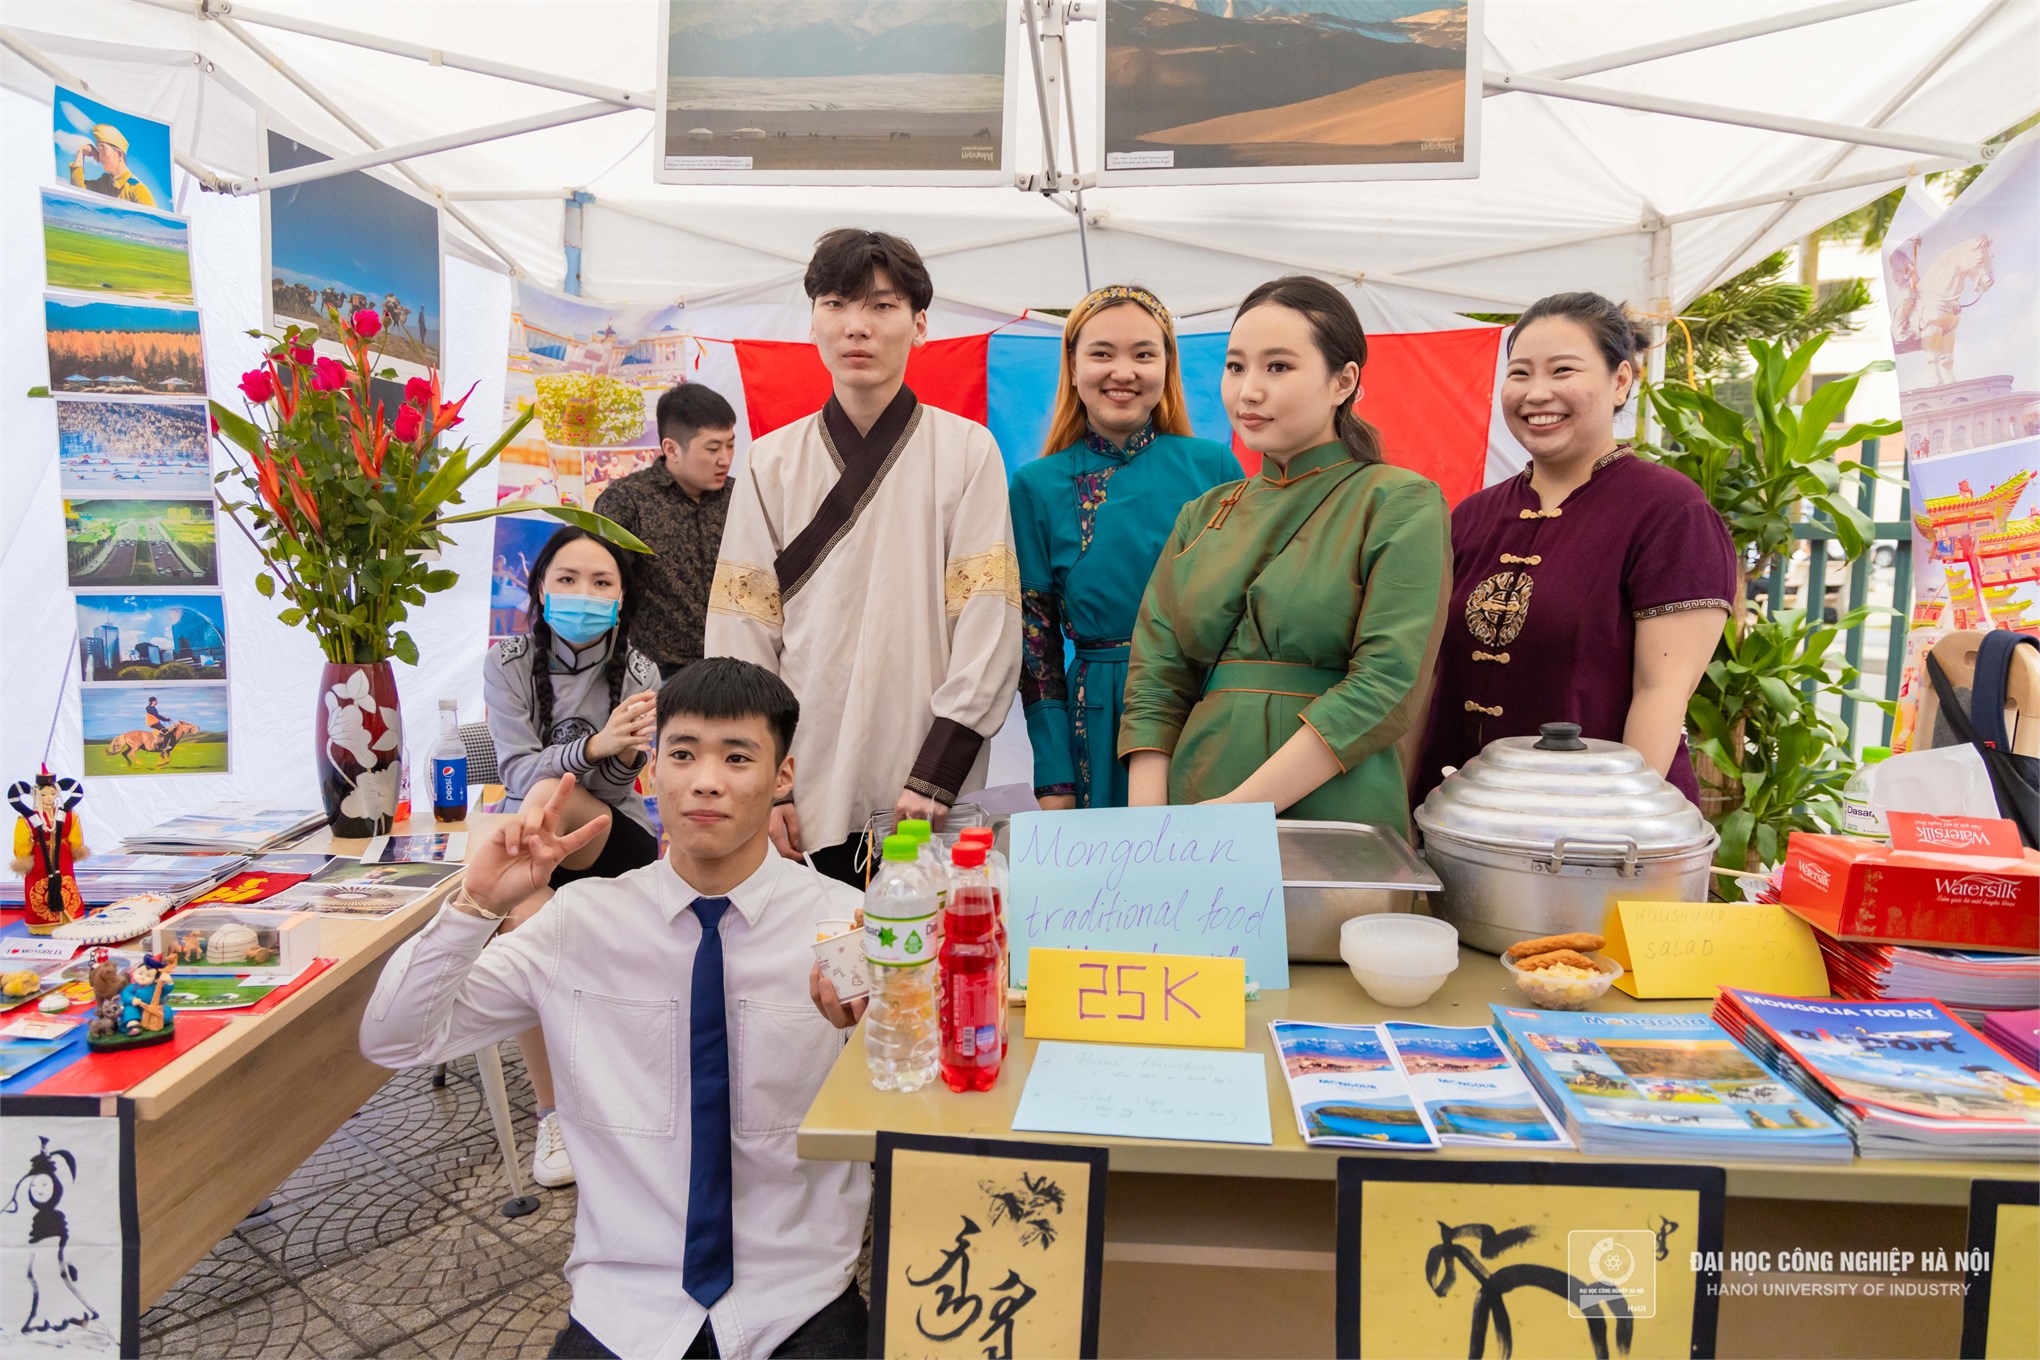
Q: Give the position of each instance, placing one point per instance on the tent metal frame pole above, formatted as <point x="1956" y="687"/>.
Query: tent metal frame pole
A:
<point x="450" y="141"/>
<point x="507" y="195"/>
<point x="573" y="227"/>
<point x="1886" y="110"/>
<point x="431" y="56"/>
<point x="1359" y="276"/>
<point x="1816" y="188"/>
<point x="1734" y="117"/>
<point x="20" y="47"/>
<point x="691" y="229"/>
<point x="1700" y="42"/>
<point x="312" y="92"/>
<point x="1660" y="323"/>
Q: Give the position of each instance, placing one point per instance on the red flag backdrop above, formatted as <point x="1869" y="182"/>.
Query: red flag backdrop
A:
<point x="784" y="380"/>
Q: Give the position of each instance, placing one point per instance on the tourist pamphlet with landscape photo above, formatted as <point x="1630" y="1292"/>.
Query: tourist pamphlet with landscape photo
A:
<point x="1907" y="1078"/>
<point x="1346" y="1088"/>
<point x="1669" y="1085"/>
<point x="1469" y="1087"/>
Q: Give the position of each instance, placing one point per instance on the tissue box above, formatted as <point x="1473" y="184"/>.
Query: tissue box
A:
<point x="234" y="937"/>
<point x="1860" y="890"/>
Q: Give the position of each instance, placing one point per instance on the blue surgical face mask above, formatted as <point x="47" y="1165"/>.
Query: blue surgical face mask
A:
<point x="579" y="619"/>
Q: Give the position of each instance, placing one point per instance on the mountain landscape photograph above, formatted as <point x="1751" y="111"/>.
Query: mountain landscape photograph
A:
<point x="835" y="85"/>
<point x="1264" y="84"/>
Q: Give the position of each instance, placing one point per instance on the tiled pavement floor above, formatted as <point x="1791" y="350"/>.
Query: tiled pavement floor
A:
<point x="386" y="1242"/>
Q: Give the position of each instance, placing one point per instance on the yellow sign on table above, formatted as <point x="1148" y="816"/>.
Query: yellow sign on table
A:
<point x="1691" y="949"/>
<point x="1097" y="997"/>
<point x="984" y="1247"/>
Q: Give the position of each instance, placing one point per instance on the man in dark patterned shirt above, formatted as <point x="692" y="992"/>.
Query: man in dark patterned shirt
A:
<point x="677" y="506"/>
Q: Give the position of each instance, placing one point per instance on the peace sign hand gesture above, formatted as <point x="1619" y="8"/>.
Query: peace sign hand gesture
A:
<point x="516" y="857"/>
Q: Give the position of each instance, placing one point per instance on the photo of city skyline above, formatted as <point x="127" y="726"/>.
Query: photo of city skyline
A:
<point x="151" y="638"/>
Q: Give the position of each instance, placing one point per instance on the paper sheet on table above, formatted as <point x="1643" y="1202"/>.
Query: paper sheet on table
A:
<point x="1198" y="1095"/>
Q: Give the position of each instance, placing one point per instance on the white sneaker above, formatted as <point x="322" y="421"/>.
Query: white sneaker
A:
<point x="549" y="1164"/>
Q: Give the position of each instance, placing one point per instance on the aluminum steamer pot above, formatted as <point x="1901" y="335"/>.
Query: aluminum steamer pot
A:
<point x="1541" y="835"/>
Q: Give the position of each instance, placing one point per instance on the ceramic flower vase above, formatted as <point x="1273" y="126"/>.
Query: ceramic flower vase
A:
<point x="359" y="733"/>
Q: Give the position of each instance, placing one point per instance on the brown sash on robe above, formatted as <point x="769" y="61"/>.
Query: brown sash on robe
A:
<point x="864" y="460"/>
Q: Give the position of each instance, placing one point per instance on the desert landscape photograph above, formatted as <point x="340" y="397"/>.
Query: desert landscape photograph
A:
<point x="1263" y="84"/>
<point x="835" y="85"/>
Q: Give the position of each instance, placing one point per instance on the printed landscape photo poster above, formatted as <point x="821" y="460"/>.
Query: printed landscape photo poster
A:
<point x="350" y="242"/>
<point x="1279" y="91"/>
<point x="132" y="448"/>
<point x="96" y="245"/>
<point x="143" y="543"/>
<point x="849" y="92"/>
<point x="1963" y="285"/>
<point x="123" y="349"/>
<point x="1534" y="1258"/>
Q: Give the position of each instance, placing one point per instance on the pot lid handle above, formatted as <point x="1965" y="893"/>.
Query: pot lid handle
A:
<point x="1559" y="736"/>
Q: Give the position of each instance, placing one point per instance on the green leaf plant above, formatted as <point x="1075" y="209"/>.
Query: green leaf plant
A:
<point x="349" y="502"/>
<point x="1769" y="761"/>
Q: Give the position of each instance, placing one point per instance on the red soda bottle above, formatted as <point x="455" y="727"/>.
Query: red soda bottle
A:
<point x="994" y="868"/>
<point x="973" y="1002"/>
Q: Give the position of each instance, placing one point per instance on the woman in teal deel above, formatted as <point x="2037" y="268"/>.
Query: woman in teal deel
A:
<point x="1089" y="519"/>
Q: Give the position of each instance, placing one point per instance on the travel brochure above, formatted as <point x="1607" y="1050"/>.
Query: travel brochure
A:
<point x="236" y="828"/>
<point x="1668" y="1085"/>
<point x="1964" y="980"/>
<point x="1405" y="1086"/>
<point x="1907" y="1078"/>
<point x="105" y="879"/>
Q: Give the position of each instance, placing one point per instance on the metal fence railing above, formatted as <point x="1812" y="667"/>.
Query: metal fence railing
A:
<point x="1858" y="589"/>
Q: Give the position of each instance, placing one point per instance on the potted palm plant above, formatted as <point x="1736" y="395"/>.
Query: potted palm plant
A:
<point x="1768" y="760"/>
<point x="349" y="501"/>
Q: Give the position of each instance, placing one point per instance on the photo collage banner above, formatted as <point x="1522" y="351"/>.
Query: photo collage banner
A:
<point x="127" y="371"/>
<point x="1962" y="284"/>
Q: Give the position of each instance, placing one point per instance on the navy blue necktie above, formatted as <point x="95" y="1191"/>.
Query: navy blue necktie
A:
<point x="710" y="1262"/>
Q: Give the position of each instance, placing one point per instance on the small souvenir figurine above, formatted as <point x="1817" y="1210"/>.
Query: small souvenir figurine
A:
<point x="143" y="1011"/>
<point x="48" y="840"/>
<point x="108" y="979"/>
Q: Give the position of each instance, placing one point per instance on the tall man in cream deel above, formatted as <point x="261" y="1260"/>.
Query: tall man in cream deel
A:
<point x="867" y="559"/>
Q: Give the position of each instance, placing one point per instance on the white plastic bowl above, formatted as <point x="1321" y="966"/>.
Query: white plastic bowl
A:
<point x="1399" y="960"/>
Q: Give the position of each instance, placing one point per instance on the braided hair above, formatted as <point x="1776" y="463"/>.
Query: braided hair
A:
<point x="615" y="668"/>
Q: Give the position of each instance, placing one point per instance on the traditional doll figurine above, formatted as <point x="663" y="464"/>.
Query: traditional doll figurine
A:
<point x="48" y="840"/>
<point x="142" y="1008"/>
<point x="108" y="979"/>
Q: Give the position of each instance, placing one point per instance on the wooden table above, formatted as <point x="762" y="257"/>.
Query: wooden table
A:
<point x="1182" y="1219"/>
<point x="220" y="1128"/>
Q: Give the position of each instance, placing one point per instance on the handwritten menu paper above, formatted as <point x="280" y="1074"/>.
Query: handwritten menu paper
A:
<point x="1176" y="880"/>
<point x="985" y="1247"/>
<point x="1198" y="1095"/>
<point x="1098" y="997"/>
<point x="1693" y="949"/>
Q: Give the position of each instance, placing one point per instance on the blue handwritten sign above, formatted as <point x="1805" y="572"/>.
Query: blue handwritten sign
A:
<point x="1173" y="880"/>
<point x="1119" y="1092"/>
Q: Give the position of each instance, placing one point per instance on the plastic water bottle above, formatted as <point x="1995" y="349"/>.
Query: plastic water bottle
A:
<point x="1861" y="817"/>
<point x="1000" y="873"/>
<point x="922" y="833"/>
<point x="973" y="1002"/>
<point x="900" y="1028"/>
<point x="449" y="767"/>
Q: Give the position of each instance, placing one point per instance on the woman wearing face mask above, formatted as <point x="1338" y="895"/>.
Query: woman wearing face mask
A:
<point x="1288" y="627"/>
<point x="1089" y="520"/>
<point x="1633" y="571"/>
<point x="573" y="696"/>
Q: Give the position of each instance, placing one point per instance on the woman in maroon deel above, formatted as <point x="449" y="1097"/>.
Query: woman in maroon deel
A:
<point x="1592" y="587"/>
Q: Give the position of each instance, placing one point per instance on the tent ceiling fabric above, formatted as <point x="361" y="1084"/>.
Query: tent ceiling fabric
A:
<point x="1552" y="170"/>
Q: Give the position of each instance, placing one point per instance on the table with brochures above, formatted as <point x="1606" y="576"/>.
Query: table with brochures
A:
<point x="222" y="1126"/>
<point x="1183" y="1219"/>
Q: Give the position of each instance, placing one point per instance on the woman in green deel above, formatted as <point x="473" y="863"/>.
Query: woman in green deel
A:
<point x="1287" y="634"/>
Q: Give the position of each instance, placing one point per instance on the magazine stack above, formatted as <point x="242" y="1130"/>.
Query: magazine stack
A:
<point x="1666" y="1086"/>
<point x="1906" y="1077"/>
<point x="230" y="828"/>
<point x="1967" y="981"/>
<point x="2017" y="1033"/>
<point x="106" y="879"/>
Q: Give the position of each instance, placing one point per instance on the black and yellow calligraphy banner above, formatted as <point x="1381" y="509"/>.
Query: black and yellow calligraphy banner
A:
<point x="1449" y="1258"/>
<point x="986" y="1249"/>
<point x="2000" y="1309"/>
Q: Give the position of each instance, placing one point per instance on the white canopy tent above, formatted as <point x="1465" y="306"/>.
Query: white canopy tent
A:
<point x="1644" y="150"/>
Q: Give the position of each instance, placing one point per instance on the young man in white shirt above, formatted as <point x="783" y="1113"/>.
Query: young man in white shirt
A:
<point x="686" y="1059"/>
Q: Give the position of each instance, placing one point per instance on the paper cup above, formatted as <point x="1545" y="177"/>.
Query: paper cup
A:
<point x="842" y="960"/>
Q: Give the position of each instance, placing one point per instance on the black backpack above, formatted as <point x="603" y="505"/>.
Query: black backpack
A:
<point x="2015" y="779"/>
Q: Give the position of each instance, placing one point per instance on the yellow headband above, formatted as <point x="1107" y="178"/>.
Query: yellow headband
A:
<point x="1124" y="292"/>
